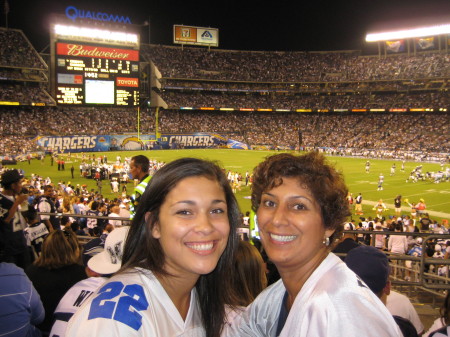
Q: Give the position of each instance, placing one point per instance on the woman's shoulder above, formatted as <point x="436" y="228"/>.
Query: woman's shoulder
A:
<point x="333" y="279"/>
<point x="136" y="278"/>
<point x="134" y="275"/>
<point x="276" y="289"/>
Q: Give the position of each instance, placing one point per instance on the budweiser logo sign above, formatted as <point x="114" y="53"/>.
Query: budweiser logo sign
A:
<point x="79" y="50"/>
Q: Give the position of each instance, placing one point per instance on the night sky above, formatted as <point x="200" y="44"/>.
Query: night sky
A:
<point x="315" y="25"/>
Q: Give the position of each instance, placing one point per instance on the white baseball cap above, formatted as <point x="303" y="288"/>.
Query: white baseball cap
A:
<point x="110" y="259"/>
<point x="349" y="227"/>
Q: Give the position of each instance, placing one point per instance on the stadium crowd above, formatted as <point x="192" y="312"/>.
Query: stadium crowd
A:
<point x="197" y="99"/>
<point x="379" y="132"/>
<point x="259" y="66"/>
<point x="17" y="51"/>
<point x="195" y="77"/>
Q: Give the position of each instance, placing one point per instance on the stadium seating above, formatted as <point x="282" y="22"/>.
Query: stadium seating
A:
<point x="315" y="82"/>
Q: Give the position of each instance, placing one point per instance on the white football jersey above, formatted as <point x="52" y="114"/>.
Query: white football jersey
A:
<point x="334" y="302"/>
<point x="72" y="301"/>
<point x="134" y="303"/>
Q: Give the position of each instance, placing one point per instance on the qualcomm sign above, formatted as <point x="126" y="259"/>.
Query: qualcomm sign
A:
<point x="74" y="13"/>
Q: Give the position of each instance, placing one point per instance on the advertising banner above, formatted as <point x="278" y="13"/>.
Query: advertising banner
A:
<point x="395" y="46"/>
<point x="74" y="143"/>
<point x="103" y="143"/>
<point x="192" y="141"/>
<point x="184" y="34"/>
<point x="234" y="144"/>
<point x="94" y="143"/>
<point x="74" y="49"/>
<point x="425" y="43"/>
<point x="199" y="36"/>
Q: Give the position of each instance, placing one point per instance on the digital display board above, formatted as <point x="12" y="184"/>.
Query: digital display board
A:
<point x="89" y="74"/>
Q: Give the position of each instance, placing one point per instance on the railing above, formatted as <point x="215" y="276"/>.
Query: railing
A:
<point x="81" y="238"/>
<point x="419" y="278"/>
<point x="424" y="273"/>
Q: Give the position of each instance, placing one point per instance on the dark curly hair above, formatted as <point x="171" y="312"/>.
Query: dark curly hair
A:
<point x="313" y="171"/>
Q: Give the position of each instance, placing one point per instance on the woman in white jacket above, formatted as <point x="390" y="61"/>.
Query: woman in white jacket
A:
<point x="301" y="205"/>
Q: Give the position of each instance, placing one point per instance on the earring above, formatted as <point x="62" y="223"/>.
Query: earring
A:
<point x="326" y="241"/>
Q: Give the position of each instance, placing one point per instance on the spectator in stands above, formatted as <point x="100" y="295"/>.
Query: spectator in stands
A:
<point x="139" y="170"/>
<point x="249" y="279"/>
<point x="372" y="266"/>
<point x="115" y="210"/>
<point x="425" y="222"/>
<point x="55" y="271"/>
<point x="36" y="232"/>
<point x="46" y="204"/>
<point x="347" y="242"/>
<point x="398" y="245"/>
<point x="250" y="273"/>
<point x="400" y="305"/>
<point x="441" y="326"/>
<point x="20" y="306"/>
<point x="299" y="218"/>
<point x="13" y="247"/>
<point x="100" y="260"/>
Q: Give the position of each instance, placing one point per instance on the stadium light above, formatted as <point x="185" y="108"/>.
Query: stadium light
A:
<point x="98" y="34"/>
<point x="409" y="33"/>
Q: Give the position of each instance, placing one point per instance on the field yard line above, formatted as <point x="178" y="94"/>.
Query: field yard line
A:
<point x="421" y="193"/>
<point x="442" y="203"/>
<point x="407" y="209"/>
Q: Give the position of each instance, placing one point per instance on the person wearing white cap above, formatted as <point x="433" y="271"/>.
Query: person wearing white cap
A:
<point x="101" y="260"/>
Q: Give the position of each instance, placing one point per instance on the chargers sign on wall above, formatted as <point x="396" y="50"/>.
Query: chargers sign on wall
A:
<point x="131" y="142"/>
<point x="198" y="36"/>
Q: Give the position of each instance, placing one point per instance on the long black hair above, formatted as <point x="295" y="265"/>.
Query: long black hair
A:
<point x="142" y="250"/>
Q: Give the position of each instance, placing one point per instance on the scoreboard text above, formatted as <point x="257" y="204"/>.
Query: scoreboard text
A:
<point x="91" y="74"/>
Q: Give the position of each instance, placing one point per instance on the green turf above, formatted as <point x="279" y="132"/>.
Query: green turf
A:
<point x="437" y="196"/>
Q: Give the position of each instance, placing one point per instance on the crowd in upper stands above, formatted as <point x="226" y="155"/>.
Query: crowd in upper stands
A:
<point x="17" y="51"/>
<point x="175" y="62"/>
<point x="176" y="99"/>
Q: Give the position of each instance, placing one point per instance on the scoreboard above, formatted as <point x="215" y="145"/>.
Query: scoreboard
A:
<point x="96" y="74"/>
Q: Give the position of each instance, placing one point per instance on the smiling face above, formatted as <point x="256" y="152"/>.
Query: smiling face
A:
<point x="291" y="226"/>
<point x="193" y="227"/>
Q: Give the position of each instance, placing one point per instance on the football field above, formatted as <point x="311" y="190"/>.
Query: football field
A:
<point x="436" y="195"/>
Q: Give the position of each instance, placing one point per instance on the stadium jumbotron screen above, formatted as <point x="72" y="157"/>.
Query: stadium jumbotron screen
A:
<point x="90" y="74"/>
